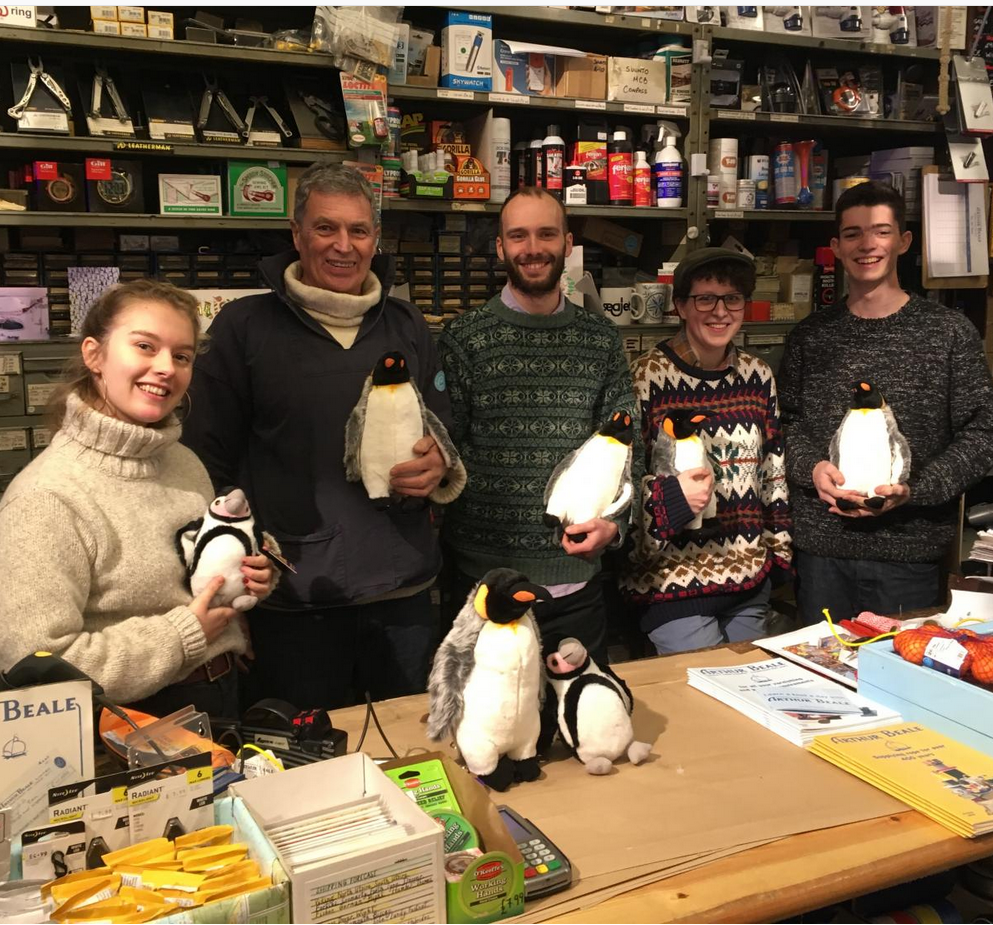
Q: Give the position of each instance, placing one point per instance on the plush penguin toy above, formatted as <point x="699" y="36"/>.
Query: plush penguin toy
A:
<point x="388" y="420"/>
<point x="678" y="447"/>
<point x="868" y="448"/>
<point x="216" y="544"/>
<point x="593" y="481"/>
<point x="594" y="709"/>
<point x="487" y="680"/>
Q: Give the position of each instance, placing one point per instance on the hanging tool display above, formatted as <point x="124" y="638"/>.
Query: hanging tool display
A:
<point x="103" y="81"/>
<point x="38" y="73"/>
<point x="263" y="102"/>
<point x="211" y="94"/>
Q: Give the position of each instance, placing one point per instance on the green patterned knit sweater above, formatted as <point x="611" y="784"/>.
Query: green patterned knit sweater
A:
<point x="526" y="390"/>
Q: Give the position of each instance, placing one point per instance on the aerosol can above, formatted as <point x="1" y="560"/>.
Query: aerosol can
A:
<point x="667" y="168"/>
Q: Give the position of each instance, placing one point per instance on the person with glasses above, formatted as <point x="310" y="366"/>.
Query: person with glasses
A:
<point x="697" y="589"/>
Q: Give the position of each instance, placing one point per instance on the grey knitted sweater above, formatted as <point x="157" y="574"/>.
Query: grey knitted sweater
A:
<point x="928" y="362"/>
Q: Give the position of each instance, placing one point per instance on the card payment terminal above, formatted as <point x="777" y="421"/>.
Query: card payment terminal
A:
<point x="546" y="869"/>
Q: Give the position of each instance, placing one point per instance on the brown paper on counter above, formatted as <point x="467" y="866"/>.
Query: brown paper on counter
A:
<point x="716" y="780"/>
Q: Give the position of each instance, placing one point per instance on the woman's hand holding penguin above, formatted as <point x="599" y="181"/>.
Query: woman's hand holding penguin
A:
<point x="828" y="481"/>
<point x="599" y="533"/>
<point x="698" y="486"/>
<point x="213" y="620"/>
<point x="420" y="476"/>
<point x="258" y="575"/>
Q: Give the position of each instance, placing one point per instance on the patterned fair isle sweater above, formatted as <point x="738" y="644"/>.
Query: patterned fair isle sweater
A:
<point x="927" y="361"/>
<point x="526" y="390"/>
<point x="742" y="438"/>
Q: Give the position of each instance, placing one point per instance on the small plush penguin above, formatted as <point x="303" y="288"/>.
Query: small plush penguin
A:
<point x="487" y="680"/>
<point x="678" y="447"/>
<point x="868" y="448"/>
<point x="388" y="420"/>
<point x="593" y="481"/>
<point x="216" y="544"/>
<point x="594" y="709"/>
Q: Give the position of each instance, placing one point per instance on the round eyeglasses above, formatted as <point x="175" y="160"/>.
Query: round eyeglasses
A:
<point x="707" y="301"/>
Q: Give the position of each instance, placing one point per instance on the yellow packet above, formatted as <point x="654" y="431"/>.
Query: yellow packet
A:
<point x="201" y="860"/>
<point x="156" y="848"/>
<point x="141" y="897"/>
<point x="171" y="880"/>
<point x="155" y="912"/>
<point x="180" y="898"/>
<point x="247" y="868"/>
<point x="203" y="838"/>
<point x="249" y="886"/>
<point x="60" y="890"/>
<point x="114" y="909"/>
<point x="86" y="891"/>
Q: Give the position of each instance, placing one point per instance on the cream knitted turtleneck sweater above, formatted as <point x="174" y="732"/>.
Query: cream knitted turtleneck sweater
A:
<point x="91" y="570"/>
<point x="339" y="313"/>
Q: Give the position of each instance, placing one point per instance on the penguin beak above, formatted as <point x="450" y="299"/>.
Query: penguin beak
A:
<point x="236" y="503"/>
<point x="667" y="427"/>
<point x="528" y="593"/>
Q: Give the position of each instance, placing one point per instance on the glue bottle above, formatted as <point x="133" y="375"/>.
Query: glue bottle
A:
<point x="553" y="155"/>
<point x="620" y="170"/>
<point x="642" y="180"/>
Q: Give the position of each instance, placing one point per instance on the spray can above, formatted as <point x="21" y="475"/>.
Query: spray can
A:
<point x="642" y="180"/>
<point x="553" y="156"/>
<point x="722" y="159"/>
<point x="620" y="170"/>
<point x="499" y="165"/>
<point x="825" y="278"/>
<point x="519" y="165"/>
<point x="784" y="175"/>
<point x="668" y="169"/>
<point x="758" y="170"/>
<point x="535" y="164"/>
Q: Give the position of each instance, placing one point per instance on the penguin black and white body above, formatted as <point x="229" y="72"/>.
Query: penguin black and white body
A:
<point x="594" y="709"/>
<point x="487" y="680"/>
<point x="679" y="447"/>
<point x="216" y="544"/>
<point x="389" y="418"/>
<point x="594" y="481"/>
<point x="868" y="448"/>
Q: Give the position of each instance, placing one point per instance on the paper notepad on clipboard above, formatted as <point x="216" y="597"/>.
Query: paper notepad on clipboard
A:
<point x="955" y="228"/>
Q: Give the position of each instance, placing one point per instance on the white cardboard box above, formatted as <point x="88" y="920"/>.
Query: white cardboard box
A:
<point x="400" y="881"/>
<point x="636" y="80"/>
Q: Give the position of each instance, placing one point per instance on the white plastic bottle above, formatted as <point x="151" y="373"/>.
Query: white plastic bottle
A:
<point x="668" y="173"/>
<point x="642" y="180"/>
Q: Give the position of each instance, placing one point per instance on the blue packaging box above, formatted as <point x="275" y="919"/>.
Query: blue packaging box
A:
<point x="467" y="51"/>
<point x="956" y="708"/>
<point x="519" y="69"/>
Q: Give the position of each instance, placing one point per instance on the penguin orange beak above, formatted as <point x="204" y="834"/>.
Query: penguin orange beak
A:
<point x="524" y="597"/>
<point x="667" y="427"/>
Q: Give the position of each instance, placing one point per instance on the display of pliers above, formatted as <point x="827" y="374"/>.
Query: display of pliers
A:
<point x="38" y="72"/>
<point x="211" y="93"/>
<point x="263" y="101"/>
<point x="103" y="81"/>
<point x="324" y="115"/>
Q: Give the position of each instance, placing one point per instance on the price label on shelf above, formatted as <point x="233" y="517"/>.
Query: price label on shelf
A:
<point x="13" y="440"/>
<point x="518" y="99"/>
<point x="784" y="117"/>
<point x="729" y="213"/>
<point x="640" y="107"/>
<point x="671" y="110"/>
<point x="468" y="206"/>
<point x="10" y="363"/>
<point x="735" y="114"/>
<point x="4" y="384"/>
<point x="445" y="94"/>
<point x="591" y="104"/>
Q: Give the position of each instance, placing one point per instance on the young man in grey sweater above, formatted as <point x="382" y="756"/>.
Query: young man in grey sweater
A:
<point x="928" y="363"/>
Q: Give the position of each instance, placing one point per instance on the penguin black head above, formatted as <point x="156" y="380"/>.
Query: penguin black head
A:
<point x="682" y="424"/>
<point x="230" y="504"/>
<point x="865" y="395"/>
<point x="618" y="426"/>
<point x="505" y="595"/>
<point x="391" y="369"/>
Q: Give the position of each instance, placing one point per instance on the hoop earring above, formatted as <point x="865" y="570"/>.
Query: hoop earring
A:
<point x="188" y="410"/>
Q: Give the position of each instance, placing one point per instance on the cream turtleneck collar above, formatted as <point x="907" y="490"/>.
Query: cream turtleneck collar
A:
<point x="128" y="450"/>
<point x="340" y="313"/>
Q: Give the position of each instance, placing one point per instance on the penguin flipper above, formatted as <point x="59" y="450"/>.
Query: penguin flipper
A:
<point x="455" y="477"/>
<point x="663" y="457"/>
<point x="622" y="500"/>
<point x="834" y="450"/>
<point x="353" y="435"/>
<point x="557" y="509"/>
<point x="453" y="663"/>
<point x="899" y="449"/>
<point x="186" y="538"/>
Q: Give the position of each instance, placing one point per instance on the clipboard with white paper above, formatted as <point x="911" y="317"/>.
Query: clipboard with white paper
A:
<point x="955" y="228"/>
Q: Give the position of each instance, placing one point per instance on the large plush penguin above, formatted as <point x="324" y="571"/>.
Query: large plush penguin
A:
<point x="388" y="420"/>
<point x="487" y="680"/>
<point x="594" y="709"/>
<point x="868" y="448"/>
<point x="593" y="481"/>
<point x="216" y="544"/>
<point x="679" y="447"/>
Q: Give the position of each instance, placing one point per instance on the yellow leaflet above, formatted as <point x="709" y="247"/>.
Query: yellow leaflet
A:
<point x="202" y="838"/>
<point x="64" y="887"/>
<point x="110" y="910"/>
<point x="246" y="868"/>
<point x="94" y="894"/>
<point x="171" y="880"/>
<point x="200" y="860"/>
<point x="250" y="886"/>
<point x="135" y="854"/>
<point x="81" y="892"/>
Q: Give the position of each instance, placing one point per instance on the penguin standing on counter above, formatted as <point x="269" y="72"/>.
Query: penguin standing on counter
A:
<point x="487" y="680"/>
<point x="216" y="544"/>
<point x="679" y="447"/>
<point x="868" y="448"/>
<point x="593" y="481"/>
<point x="389" y="418"/>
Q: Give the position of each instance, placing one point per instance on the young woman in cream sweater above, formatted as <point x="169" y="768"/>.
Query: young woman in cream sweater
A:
<point x="87" y="530"/>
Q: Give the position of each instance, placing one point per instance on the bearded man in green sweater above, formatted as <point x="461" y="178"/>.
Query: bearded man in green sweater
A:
<point x="530" y="377"/>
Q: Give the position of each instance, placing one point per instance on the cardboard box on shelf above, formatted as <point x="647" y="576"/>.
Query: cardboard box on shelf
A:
<point x="609" y="234"/>
<point x="636" y="80"/>
<point x="131" y="14"/>
<point x="155" y="18"/>
<point x="584" y="78"/>
<point x="521" y="67"/>
<point x="432" y="69"/>
<point x="106" y="27"/>
<point x="467" y="51"/>
<point x="159" y="32"/>
<point x="134" y="28"/>
<point x="103" y="13"/>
